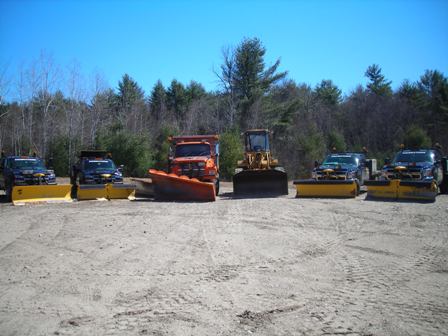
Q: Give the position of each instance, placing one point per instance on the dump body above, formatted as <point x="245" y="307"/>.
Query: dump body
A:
<point x="195" y="156"/>
<point x="259" y="173"/>
<point x="413" y="174"/>
<point x="339" y="175"/>
<point x="96" y="176"/>
<point x="25" y="179"/>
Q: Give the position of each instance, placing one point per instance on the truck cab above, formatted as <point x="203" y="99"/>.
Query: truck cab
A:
<point x="23" y="171"/>
<point x="415" y="164"/>
<point x="343" y="166"/>
<point x="196" y="157"/>
<point x="95" y="167"/>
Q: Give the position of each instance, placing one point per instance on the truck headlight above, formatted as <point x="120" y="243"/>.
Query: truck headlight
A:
<point x="427" y="172"/>
<point x="314" y="174"/>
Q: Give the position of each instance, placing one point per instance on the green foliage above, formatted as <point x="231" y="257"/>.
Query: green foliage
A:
<point x="328" y="93"/>
<point x="336" y="140"/>
<point x="312" y="147"/>
<point x="246" y="77"/>
<point x="378" y="84"/>
<point x="231" y="151"/>
<point x="177" y="98"/>
<point x="416" y="137"/>
<point x="132" y="151"/>
<point x="157" y="100"/>
<point x="162" y="148"/>
<point x="59" y="156"/>
<point x="129" y="92"/>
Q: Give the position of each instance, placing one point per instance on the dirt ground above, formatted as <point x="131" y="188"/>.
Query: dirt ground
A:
<point x="266" y="266"/>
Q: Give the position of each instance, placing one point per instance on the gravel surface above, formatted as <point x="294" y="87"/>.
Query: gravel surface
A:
<point x="266" y="266"/>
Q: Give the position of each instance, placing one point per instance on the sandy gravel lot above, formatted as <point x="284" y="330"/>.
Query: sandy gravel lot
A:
<point x="274" y="266"/>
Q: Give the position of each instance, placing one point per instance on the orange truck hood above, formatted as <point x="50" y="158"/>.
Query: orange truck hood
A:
<point x="190" y="159"/>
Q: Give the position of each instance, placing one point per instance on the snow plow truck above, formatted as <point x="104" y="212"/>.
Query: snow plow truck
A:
<point x="95" y="176"/>
<point x="25" y="179"/>
<point x="341" y="174"/>
<point x="193" y="170"/>
<point x="414" y="174"/>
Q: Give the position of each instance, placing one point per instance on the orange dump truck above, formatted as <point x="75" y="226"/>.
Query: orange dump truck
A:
<point x="195" y="156"/>
<point x="193" y="170"/>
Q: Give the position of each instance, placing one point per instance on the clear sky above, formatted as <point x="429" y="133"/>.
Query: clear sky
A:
<point x="151" y="40"/>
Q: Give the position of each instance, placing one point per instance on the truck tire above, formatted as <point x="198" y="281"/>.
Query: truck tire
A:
<point x="444" y="184"/>
<point x="217" y="186"/>
<point x="8" y="192"/>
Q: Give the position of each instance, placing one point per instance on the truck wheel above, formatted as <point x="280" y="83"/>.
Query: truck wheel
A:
<point x="217" y="186"/>
<point x="8" y="191"/>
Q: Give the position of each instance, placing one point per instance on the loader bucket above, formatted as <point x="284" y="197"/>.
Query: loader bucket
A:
<point x="41" y="193"/>
<point x="170" y="187"/>
<point x="260" y="182"/>
<point x="120" y="191"/>
<point x="144" y="187"/>
<point x="326" y="188"/>
<point x="402" y="190"/>
<point x="91" y="192"/>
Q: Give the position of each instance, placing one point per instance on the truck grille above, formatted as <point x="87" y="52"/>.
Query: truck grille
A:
<point x="192" y="170"/>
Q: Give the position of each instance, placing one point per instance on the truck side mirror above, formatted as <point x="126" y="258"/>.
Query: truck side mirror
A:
<point x="316" y="164"/>
<point x="386" y="161"/>
<point x="120" y="168"/>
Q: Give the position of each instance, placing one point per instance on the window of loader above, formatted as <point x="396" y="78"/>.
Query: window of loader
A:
<point x="257" y="142"/>
<point x="192" y="150"/>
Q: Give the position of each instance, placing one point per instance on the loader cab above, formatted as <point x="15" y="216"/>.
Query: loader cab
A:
<point x="257" y="141"/>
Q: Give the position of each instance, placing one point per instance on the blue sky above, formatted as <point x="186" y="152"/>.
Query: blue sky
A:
<point x="151" y="40"/>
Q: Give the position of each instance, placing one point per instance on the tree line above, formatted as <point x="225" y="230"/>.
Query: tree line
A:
<point x="57" y="118"/>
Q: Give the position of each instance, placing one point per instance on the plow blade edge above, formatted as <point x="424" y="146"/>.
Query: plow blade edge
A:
<point x="402" y="190"/>
<point x="260" y="182"/>
<point x="170" y="187"/>
<point x="41" y="193"/>
<point x="326" y="188"/>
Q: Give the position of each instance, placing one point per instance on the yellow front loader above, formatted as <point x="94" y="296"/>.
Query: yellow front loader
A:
<point x="259" y="173"/>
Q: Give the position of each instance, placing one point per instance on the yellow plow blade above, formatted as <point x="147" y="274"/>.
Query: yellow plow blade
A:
<point x="402" y="190"/>
<point x="417" y="190"/>
<point x="105" y="191"/>
<point x="326" y="188"/>
<point x="382" y="189"/>
<point x="91" y="192"/>
<point x="41" y="193"/>
<point x="120" y="191"/>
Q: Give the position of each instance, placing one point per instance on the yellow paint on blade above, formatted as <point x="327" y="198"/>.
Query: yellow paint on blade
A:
<point x="91" y="192"/>
<point x="387" y="191"/>
<point x="41" y="193"/>
<point x="121" y="191"/>
<point x="414" y="193"/>
<point x="326" y="190"/>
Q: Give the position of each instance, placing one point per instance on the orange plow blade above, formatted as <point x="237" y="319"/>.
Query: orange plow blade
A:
<point x="170" y="187"/>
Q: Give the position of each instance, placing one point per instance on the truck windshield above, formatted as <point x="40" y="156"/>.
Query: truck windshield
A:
<point x="340" y="159"/>
<point x="257" y="142"/>
<point x="418" y="156"/>
<point x="28" y="164"/>
<point x="99" y="165"/>
<point x="192" y="150"/>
